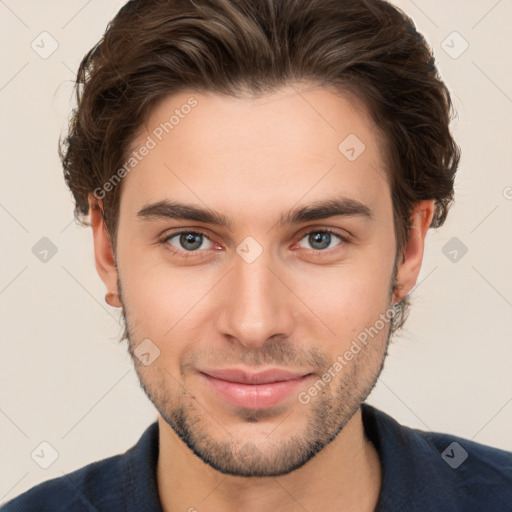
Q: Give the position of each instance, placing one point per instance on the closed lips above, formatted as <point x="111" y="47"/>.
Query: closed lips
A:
<point x="243" y="377"/>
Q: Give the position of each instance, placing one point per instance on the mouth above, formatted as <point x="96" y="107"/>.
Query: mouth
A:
<point x="260" y="390"/>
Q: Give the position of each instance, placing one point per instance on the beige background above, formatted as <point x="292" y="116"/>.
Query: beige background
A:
<point x="64" y="380"/>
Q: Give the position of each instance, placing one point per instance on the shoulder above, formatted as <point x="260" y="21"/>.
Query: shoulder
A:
<point x="121" y="482"/>
<point x="468" y="476"/>
<point x="483" y="473"/>
<point x="455" y="451"/>
<point x="437" y="471"/>
<point x="85" y="489"/>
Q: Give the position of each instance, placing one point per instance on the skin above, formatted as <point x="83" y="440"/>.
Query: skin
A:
<point x="296" y="306"/>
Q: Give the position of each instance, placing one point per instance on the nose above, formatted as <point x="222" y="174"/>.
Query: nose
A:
<point x="258" y="307"/>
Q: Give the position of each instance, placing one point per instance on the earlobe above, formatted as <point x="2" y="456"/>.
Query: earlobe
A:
<point x="103" y="251"/>
<point x="412" y="255"/>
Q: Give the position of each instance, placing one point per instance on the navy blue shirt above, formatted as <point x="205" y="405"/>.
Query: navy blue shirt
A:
<point x="421" y="472"/>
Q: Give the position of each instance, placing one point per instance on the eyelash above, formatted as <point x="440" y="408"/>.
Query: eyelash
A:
<point x="195" y="254"/>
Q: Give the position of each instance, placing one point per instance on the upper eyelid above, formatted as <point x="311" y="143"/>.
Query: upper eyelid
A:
<point x="194" y="231"/>
<point x="337" y="232"/>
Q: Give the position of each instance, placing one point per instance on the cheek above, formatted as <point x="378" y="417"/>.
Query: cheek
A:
<point x="161" y="299"/>
<point x="348" y="298"/>
<point x="164" y="303"/>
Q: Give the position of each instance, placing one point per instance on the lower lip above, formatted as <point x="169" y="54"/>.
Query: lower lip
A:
<point x="255" y="396"/>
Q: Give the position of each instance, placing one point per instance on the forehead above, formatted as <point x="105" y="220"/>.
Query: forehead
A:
<point x="255" y="155"/>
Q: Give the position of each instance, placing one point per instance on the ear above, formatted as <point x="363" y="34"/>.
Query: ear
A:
<point x="412" y="255"/>
<point x="103" y="250"/>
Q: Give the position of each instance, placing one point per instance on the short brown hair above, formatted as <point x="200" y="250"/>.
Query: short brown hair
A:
<point x="156" y="48"/>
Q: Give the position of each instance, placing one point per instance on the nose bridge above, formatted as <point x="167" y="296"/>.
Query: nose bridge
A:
<point x="257" y="307"/>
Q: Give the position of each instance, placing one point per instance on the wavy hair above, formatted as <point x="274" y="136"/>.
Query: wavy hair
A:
<point x="369" y="48"/>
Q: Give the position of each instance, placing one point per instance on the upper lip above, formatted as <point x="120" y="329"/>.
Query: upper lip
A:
<point x="263" y="377"/>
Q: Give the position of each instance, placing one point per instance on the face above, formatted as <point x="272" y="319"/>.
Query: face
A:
<point x="255" y="263"/>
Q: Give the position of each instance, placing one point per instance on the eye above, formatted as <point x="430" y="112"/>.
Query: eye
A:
<point x="188" y="241"/>
<point x="321" y="239"/>
<point x="193" y="244"/>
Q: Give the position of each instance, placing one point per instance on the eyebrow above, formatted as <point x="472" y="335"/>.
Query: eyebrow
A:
<point x="336" y="207"/>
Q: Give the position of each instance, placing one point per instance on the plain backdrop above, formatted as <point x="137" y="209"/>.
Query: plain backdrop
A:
<point x="64" y="379"/>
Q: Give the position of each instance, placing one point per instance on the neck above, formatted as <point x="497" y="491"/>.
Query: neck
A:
<point x="345" y="475"/>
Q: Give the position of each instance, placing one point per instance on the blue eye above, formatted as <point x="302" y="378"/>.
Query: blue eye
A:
<point x="320" y="240"/>
<point x="188" y="241"/>
<point x="194" y="244"/>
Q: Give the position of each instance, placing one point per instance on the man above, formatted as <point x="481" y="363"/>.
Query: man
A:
<point x="260" y="178"/>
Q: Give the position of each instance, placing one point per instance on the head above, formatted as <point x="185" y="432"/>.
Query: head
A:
<point x="260" y="178"/>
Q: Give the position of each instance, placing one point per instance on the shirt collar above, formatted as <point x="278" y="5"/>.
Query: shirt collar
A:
<point x="140" y="463"/>
<point x="411" y="468"/>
